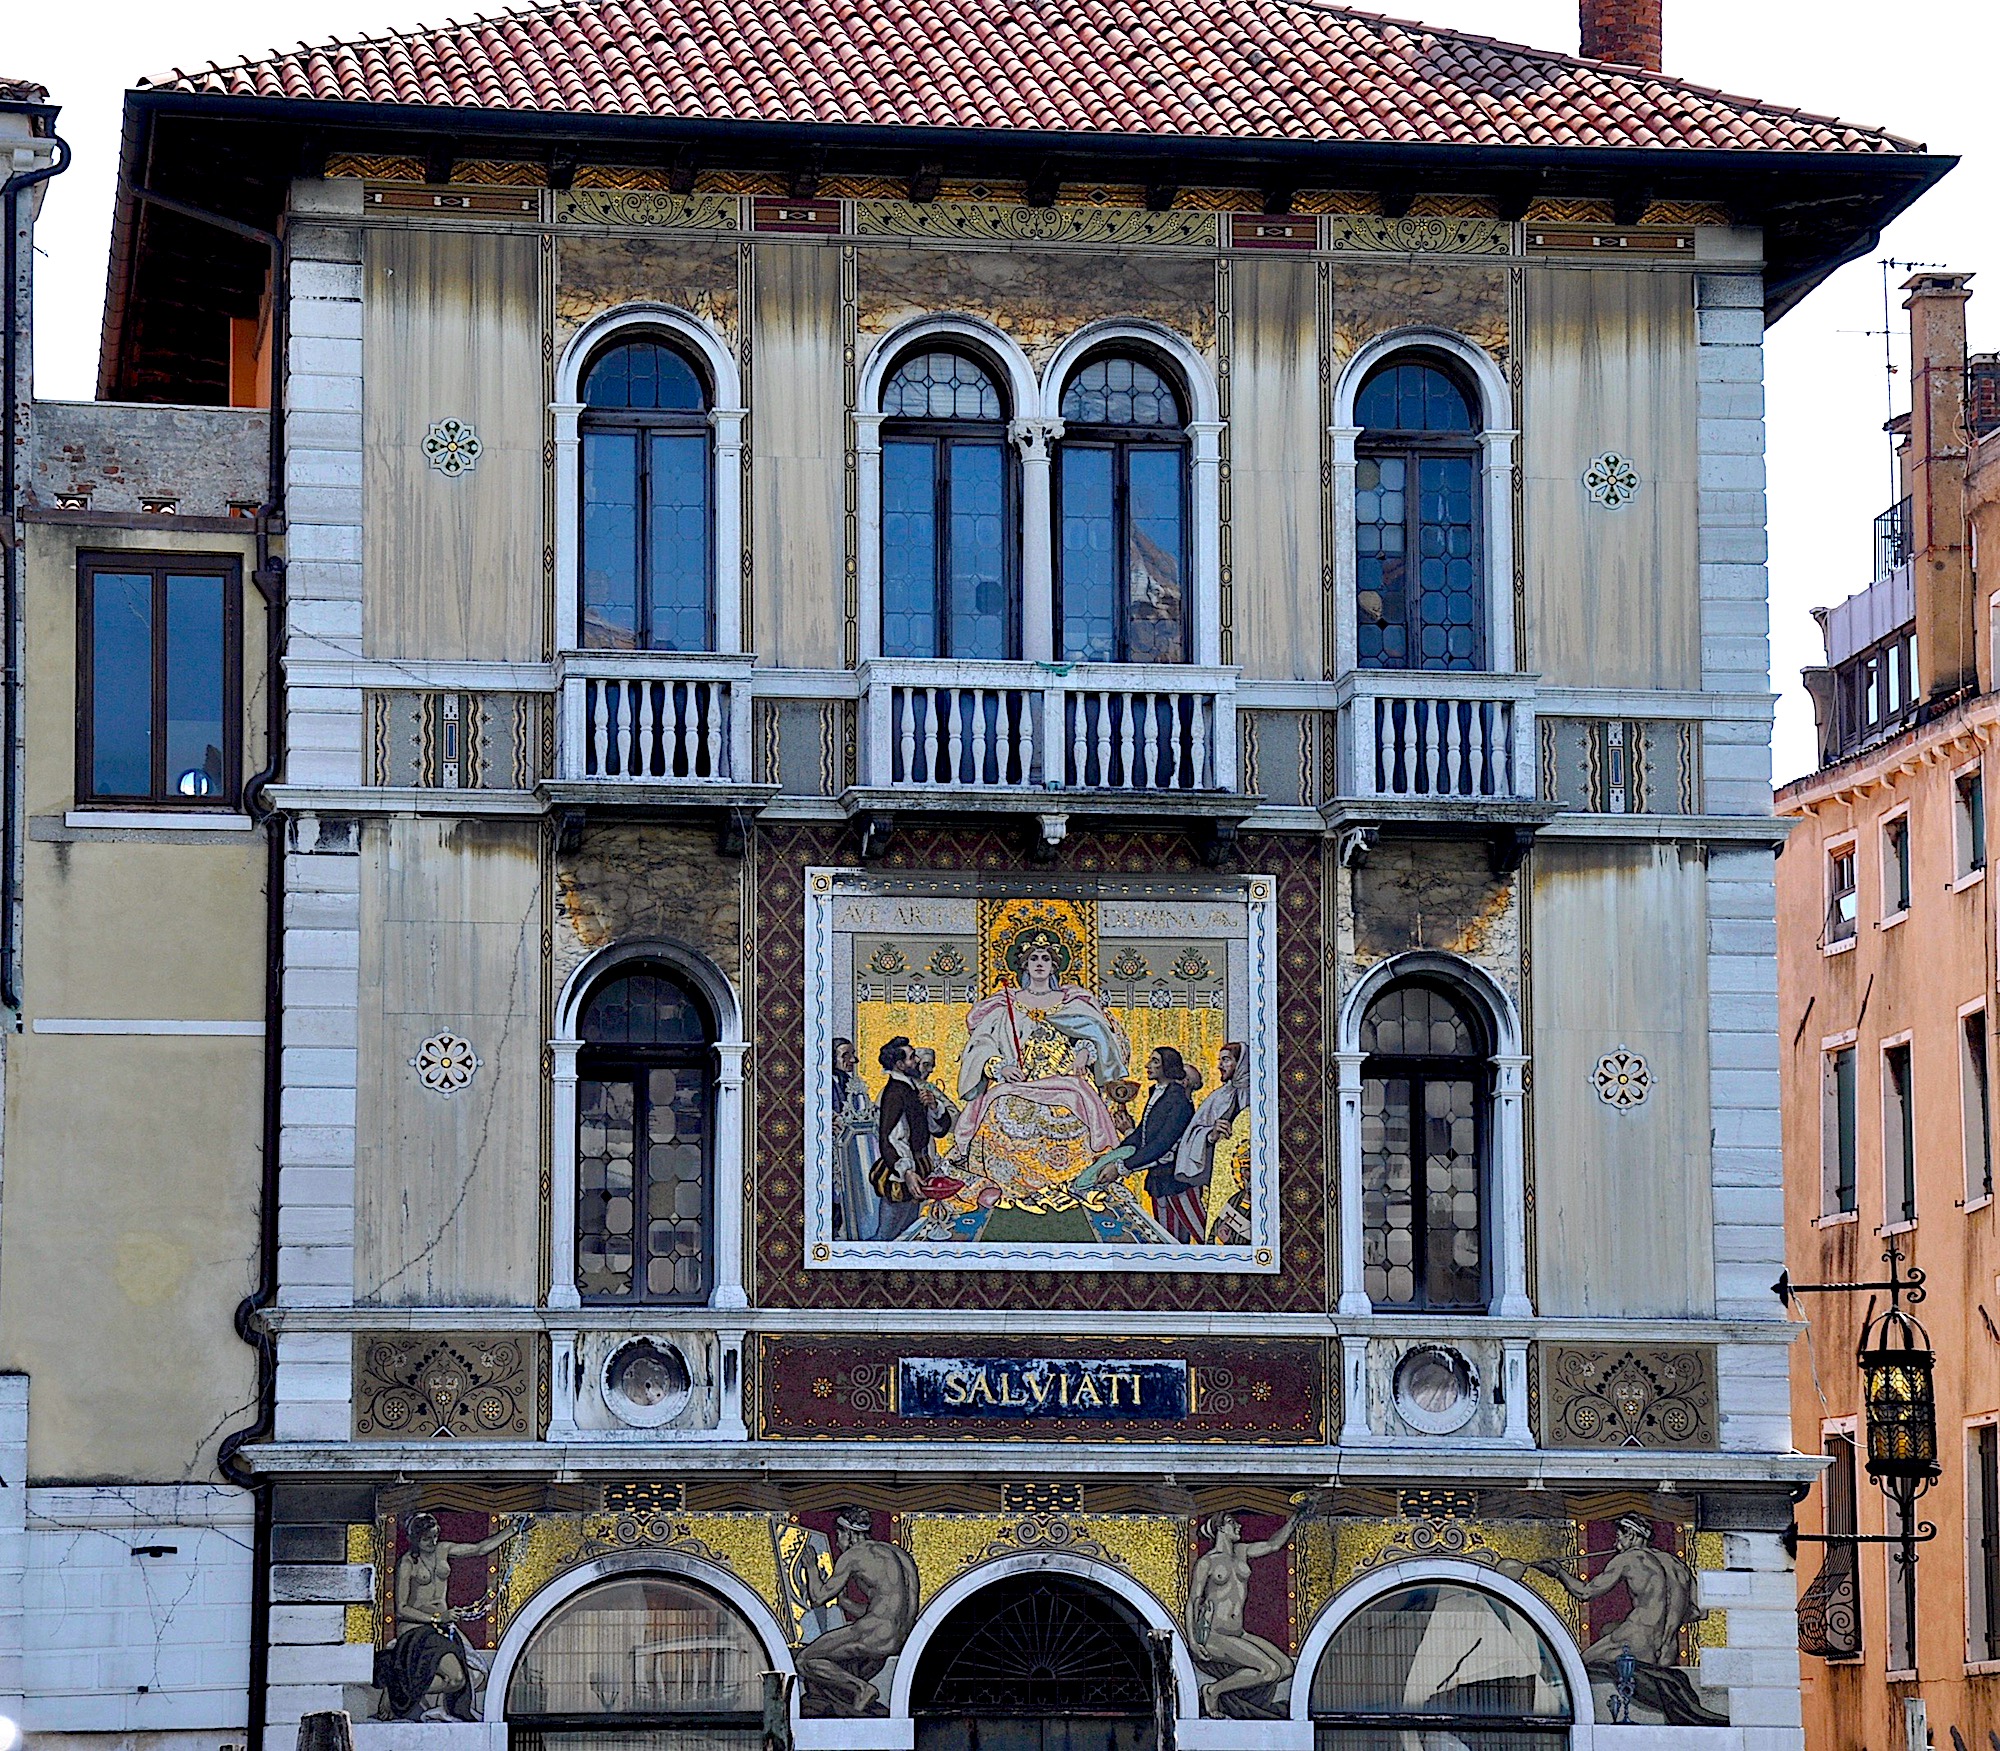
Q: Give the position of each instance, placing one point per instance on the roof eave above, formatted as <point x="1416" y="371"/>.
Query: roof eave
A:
<point x="1882" y="183"/>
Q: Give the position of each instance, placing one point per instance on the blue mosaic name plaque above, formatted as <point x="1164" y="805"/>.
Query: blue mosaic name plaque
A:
<point x="1024" y="1388"/>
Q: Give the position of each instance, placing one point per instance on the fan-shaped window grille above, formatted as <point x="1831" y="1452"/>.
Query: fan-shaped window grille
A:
<point x="1440" y="1665"/>
<point x="1423" y="1151"/>
<point x="644" y="1663"/>
<point x="1413" y="397"/>
<point x="644" y="1123"/>
<point x="644" y="374"/>
<point x="643" y="1009"/>
<point x="941" y="386"/>
<point x="1118" y="391"/>
<point x="1418" y="1021"/>
<point x="1037" y="1645"/>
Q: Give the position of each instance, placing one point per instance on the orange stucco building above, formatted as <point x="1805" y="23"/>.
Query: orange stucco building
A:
<point x="1888" y="1008"/>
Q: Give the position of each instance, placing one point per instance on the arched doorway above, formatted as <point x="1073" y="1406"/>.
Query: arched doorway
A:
<point x="639" y="1663"/>
<point x="1037" y="1662"/>
<point x="1443" y="1663"/>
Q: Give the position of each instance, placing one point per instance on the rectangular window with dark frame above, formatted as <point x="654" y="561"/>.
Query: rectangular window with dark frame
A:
<point x="1899" y="1151"/>
<point x="1969" y="811"/>
<point x="159" y="680"/>
<point x="1982" y="1539"/>
<point x="1836" y="1136"/>
<point x="1976" y="1105"/>
<point x="1841" y="902"/>
<point x="1896" y="866"/>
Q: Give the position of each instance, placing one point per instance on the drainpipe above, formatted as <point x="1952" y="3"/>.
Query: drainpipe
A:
<point x="10" y="551"/>
<point x="250" y="1326"/>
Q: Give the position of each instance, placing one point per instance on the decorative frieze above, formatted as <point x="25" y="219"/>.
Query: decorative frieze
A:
<point x="1419" y="235"/>
<point x="656" y="209"/>
<point x="444" y="1385"/>
<point x="984" y="222"/>
<point x="1628" y="1395"/>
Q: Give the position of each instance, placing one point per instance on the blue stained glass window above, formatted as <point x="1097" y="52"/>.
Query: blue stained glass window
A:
<point x="611" y="539"/>
<point x="1089" y="536"/>
<point x="948" y="539"/>
<point x="1420" y="587"/>
<point x="909" y="548"/>
<point x="121" y="695"/>
<point x="941" y="386"/>
<point x="1156" y="609"/>
<point x="1121" y="543"/>
<point x="680" y="568"/>
<point x="978" y="604"/>
<point x="647" y="513"/>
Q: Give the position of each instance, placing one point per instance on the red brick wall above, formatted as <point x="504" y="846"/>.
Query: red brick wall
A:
<point x="1627" y="31"/>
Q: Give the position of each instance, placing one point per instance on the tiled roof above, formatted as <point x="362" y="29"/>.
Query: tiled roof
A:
<point x="22" y="91"/>
<point x="1216" y="69"/>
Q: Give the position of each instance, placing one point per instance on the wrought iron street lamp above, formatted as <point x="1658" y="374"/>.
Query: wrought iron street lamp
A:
<point x="1899" y="1405"/>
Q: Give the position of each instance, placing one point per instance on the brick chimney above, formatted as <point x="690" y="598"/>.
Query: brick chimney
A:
<point x="1947" y="649"/>
<point x="1625" y="31"/>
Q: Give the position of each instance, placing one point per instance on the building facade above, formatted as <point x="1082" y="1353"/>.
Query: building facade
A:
<point x="1886" y="983"/>
<point x="1019" y="950"/>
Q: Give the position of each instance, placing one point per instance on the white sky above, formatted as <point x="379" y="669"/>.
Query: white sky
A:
<point x="1922" y="68"/>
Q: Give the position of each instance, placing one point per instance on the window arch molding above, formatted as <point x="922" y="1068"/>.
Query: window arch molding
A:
<point x="1496" y="457"/>
<point x="635" y="1564"/>
<point x="1196" y="381"/>
<point x="1362" y="1592"/>
<point x="687" y="331"/>
<point x="938" y="1610"/>
<point x="1507" y="1221"/>
<point x="1009" y="365"/>
<point x="730" y="1045"/>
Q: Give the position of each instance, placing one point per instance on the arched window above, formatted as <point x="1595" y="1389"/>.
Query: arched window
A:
<point x="631" y="1660"/>
<point x="1441" y="1664"/>
<point x="1424" y="1087"/>
<point x="648" y="502"/>
<point x="1420" y="580"/>
<point x="645" y="1123"/>
<point x="1122" y="496"/>
<point x="948" y="546"/>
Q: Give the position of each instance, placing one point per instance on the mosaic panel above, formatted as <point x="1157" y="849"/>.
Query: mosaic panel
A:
<point x="1024" y="1071"/>
<point x="1628" y="1395"/>
<point x="783" y="855"/>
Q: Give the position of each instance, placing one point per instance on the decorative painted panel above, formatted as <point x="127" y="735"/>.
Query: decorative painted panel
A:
<point x="454" y="741"/>
<point x="1042" y="1073"/>
<point x="860" y="1389"/>
<point x="1428" y="235"/>
<point x="1628" y="1395"/>
<point x="648" y="207"/>
<point x="873" y="1556"/>
<point x="423" y="1386"/>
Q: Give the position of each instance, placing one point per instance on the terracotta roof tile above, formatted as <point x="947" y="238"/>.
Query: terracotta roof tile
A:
<point x="1234" y="69"/>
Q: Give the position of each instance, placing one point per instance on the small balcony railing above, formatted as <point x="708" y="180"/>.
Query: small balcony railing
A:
<point x="1132" y="729"/>
<point x="1437" y="736"/>
<point x="1892" y="539"/>
<point x="654" y="718"/>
